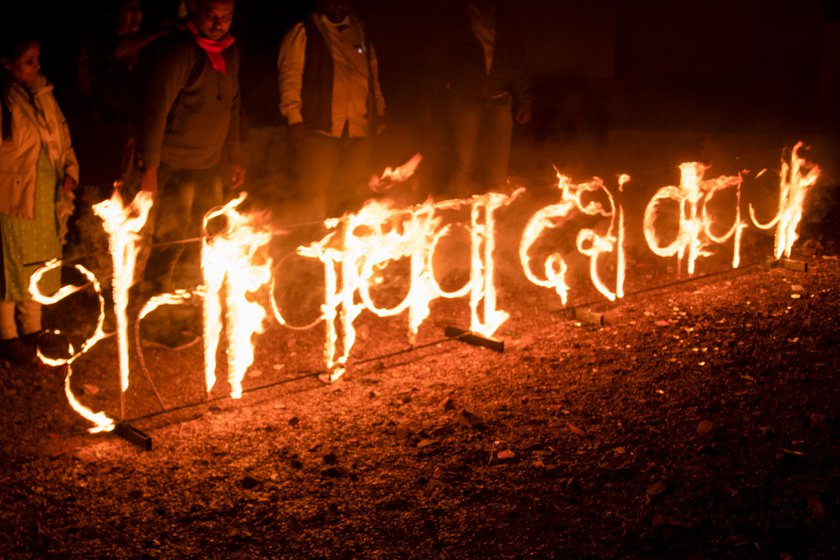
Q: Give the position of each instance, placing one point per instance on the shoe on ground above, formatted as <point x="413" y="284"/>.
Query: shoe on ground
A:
<point x="14" y="351"/>
<point x="52" y="344"/>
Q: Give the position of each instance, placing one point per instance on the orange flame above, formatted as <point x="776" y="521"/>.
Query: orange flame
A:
<point x="392" y="176"/>
<point x="233" y="261"/>
<point x="589" y="243"/>
<point x="485" y="318"/>
<point x="364" y="243"/>
<point x="102" y="423"/>
<point x="797" y="178"/>
<point x="123" y="225"/>
<point x="695" y="223"/>
<point x="361" y="246"/>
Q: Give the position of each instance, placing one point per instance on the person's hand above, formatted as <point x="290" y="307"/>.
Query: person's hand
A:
<point x="68" y="185"/>
<point x="523" y="113"/>
<point x="237" y="176"/>
<point x="297" y="134"/>
<point x="149" y="181"/>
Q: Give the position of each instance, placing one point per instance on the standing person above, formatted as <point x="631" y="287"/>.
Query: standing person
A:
<point x="107" y="79"/>
<point x="38" y="172"/>
<point x="479" y="62"/>
<point x="331" y="97"/>
<point x="190" y="121"/>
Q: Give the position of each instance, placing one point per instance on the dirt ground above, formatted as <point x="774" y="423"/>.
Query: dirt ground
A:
<point x="700" y="420"/>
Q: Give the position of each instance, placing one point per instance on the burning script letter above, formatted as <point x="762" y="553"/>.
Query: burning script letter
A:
<point x="694" y="232"/>
<point x="797" y="178"/>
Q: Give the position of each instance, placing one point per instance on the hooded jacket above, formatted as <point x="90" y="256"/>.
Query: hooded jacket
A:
<point x="36" y="122"/>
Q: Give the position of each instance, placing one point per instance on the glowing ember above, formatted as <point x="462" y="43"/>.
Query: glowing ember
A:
<point x="797" y="178"/>
<point x="234" y="261"/>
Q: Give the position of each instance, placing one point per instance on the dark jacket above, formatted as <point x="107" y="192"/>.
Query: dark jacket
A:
<point x="457" y="60"/>
<point x="191" y="111"/>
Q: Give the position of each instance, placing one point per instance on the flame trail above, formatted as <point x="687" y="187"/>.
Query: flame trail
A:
<point x="482" y="269"/>
<point x="392" y="176"/>
<point x="234" y="260"/>
<point x="589" y="243"/>
<point x="102" y="423"/>
<point x="797" y="178"/>
<point x="694" y="233"/>
<point x="123" y="224"/>
<point x="361" y="245"/>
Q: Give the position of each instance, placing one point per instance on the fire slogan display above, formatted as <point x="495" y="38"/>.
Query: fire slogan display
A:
<point x="359" y="246"/>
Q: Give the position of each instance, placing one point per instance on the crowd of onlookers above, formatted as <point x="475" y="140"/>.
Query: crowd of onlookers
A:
<point x="161" y="112"/>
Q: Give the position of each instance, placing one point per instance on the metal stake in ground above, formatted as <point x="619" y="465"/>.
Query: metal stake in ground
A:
<point x="474" y="339"/>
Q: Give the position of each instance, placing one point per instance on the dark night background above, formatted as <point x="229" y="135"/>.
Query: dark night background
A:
<point x="714" y="65"/>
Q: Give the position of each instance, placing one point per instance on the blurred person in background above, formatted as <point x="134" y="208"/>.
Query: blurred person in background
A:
<point x="107" y="80"/>
<point x="479" y="75"/>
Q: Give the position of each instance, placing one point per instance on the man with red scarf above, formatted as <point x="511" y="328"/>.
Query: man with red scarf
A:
<point x="190" y="124"/>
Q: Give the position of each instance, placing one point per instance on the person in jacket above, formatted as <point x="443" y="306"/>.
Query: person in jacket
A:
<point x="331" y="97"/>
<point x="479" y="68"/>
<point x="109" y="82"/>
<point x="190" y="121"/>
<point x="38" y="172"/>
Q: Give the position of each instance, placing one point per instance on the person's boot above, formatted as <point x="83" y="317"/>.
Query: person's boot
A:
<point x="14" y="351"/>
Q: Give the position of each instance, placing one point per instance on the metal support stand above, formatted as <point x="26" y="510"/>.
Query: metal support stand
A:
<point x="797" y="266"/>
<point x="133" y="435"/>
<point x="473" y="339"/>
<point x="588" y="316"/>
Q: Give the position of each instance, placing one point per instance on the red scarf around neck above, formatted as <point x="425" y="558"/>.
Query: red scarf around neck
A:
<point x="212" y="48"/>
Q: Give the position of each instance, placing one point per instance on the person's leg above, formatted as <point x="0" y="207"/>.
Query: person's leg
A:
<point x="465" y="118"/>
<point x="172" y="223"/>
<point x="8" y="327"/>
<point x="29" y="317"/>
<point x="12" y="349"/>
<point x="349" y="189"/>
<point x="496" y="129"/>
<point x="209" y="194"/>
<point x="318" y="161"/>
